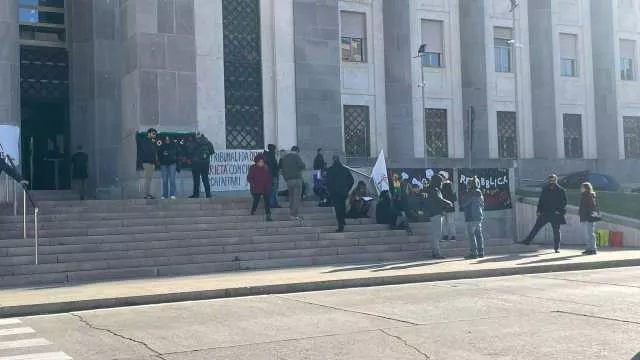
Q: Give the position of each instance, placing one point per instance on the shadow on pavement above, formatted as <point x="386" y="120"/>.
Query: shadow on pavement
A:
<point x="416" y="265"/>
<point x="364" y="267"/>
<point x="510" y="257"/>
<point x="552" y="260"/>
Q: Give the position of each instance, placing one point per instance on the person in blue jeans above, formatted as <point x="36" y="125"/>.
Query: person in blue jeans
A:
<point x="168" y="159"/>
<point x="473" y="205"/>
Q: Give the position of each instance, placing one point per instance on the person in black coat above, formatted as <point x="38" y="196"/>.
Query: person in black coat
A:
<point x="80" y="171"/>
<point x="200" y="152"/>
<point x="551" y="209"/>
<point x="318" y="163"/>
<point x="339" y="183"/>
<point x="274" y="169"/>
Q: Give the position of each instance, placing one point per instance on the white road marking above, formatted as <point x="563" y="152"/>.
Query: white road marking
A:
<point x="16" y="344"/>
<point x="16" y="331"/>
<point x="41" y="356"/>
<point x="4" y="322"/>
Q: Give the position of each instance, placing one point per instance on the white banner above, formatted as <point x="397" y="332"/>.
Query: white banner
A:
<point x="229" y="169"/>
<point x="379" y="174"/>
<point x="10" y="140"/>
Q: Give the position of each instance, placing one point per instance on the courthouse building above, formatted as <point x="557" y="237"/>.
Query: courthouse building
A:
<point x="553" y="84"/>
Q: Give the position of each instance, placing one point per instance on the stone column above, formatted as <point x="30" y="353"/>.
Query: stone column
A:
<point x="159" y="78"/>
<point x="317" y="71"/>
<point x="9" y="78"/>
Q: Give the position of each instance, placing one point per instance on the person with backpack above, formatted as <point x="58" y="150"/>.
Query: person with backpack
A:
<point x="437" y="205"/>
<point x="201" y="151"/>
<point x="259" y="179"/>
<point x="168" y="159"/>
<point x="449" y="217"/>
<point x="473" y="206"/>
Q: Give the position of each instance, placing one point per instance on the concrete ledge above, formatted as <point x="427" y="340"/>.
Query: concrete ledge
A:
<point x="34" y="301"/>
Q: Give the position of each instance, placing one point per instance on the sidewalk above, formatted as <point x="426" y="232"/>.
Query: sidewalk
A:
<point x="32" y="301"/>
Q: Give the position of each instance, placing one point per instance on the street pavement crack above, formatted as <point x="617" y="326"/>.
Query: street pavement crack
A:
<point x="597" y="317"/>
<point x="406" y="343"/>
<point x="86" y="322"/>
<point x="348" y="310"/>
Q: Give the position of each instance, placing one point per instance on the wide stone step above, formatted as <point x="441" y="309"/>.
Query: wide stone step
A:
<point x="416" y="252"/>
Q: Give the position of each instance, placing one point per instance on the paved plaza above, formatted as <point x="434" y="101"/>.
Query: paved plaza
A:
<point x="573" y="315"/>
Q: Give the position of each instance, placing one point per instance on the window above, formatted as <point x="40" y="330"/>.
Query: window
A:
<point x="436" y="132"/>
<point x="632" y="137"/>
<point x="432" y="37"/>
<point x="356" y="131"/>
<point x="502" y="38"/>
<point x="627" y="62"/>
<point x="353" y="30"/>
<point x="572" y="124"/>
<point x="568" y="55"/>
<point x="42" y="20"/>
<point x="507" y="140"/>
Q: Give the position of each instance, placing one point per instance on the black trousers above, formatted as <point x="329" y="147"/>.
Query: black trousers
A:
<point x="340" y="207"/>
<point x="256" y="201"/>
<point x="200" y="170"/>
<point x="540" y="223"/>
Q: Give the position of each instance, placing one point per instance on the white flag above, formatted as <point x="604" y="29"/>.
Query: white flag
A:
<point x="379" y="174"/>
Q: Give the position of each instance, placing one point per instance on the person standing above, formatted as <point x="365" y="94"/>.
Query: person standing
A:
<point x="318" y="163"/>
<point x="292" y="167"/>
<point x="274" y="170"/>
<point x="551" y="209"/>
<point x="201" y="152"/>
<point x="80" y="171"/>
<point x="473" y="205"/>
<point x="437" y="205"/>
<point x="149" y="158"/>
<point x="168" y="159"/>
<point x="449" y="218"/>
<point x="260" y="180"/>
<point x="339" y="182"/>
<point x="588" y="205"/>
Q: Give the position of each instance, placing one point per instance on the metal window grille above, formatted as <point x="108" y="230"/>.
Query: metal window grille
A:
<point x="243" y="74"/>
<point x="356" y="131"/>
<point x="573" y="148"/>
<point x="632" y="137"/>
<point x="44" y="73"/>
<point x="507" y="140"/>
<point x="436" y="132"/>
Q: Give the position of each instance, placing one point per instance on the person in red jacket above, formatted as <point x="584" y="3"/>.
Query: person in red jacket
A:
<point x="259" y="179"/>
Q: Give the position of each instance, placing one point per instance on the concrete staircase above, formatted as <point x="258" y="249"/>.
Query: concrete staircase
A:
<point x="106" y="240"/>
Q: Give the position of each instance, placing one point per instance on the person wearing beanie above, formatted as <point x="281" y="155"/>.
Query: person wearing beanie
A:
<point x="259" y="179"/>
<point x="473" y="206"/>
<point x="449" y="217"/>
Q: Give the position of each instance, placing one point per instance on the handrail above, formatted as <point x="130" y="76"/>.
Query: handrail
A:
<point x="358" y="172"/>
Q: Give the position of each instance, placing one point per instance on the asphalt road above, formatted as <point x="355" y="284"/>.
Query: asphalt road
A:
<point x="581" y="315"/>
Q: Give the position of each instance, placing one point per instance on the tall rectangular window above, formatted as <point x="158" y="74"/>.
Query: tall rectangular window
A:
<point x="627" y="60"/>
<point x="357" y="141"/>
<point x="569" y="55"/>
<point x="353" y="28"/>
<point x="436" y="132"/>
<point x="507" y="139"/>
<point x="432" y="38"/>
<point x="502" y="38"/>
<point x="632" y="137"/>
<point x="572" y="124"/>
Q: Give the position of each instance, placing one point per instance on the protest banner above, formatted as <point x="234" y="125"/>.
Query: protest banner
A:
<point x="494" y="184"/>
<point x="229" y="169"/>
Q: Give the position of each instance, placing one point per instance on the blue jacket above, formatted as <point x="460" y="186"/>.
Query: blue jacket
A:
<point x="473" y="205"/>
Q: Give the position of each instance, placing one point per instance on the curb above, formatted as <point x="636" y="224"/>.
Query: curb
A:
<point x="321" y="285"/>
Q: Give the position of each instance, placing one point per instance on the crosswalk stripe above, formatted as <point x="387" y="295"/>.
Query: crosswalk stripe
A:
<point x="16" y="344"/>
<point x="16" y="331"/>
<point x="41" y="356"/>
<point x="4" y="322"/>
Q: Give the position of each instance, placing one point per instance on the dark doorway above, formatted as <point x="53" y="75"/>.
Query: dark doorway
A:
<point x="44" y="88"/>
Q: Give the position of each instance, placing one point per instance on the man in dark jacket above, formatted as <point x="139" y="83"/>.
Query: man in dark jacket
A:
<point x="201" y="151"/>
<point x="437" y="205"/>
<point x="292" y="167"/>
<point x="80" y="171"/>
<point x="318" y="163"/>
<point x="473" y="205"/>
<point x="274" y="169"/>
<point x="149" y="159"/>
<point x="339" y="182"/>
<point x="551" y="209"/>
<point x="449" y="216"/>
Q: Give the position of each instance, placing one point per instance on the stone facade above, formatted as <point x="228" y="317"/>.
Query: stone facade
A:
<point x="9" y="71"/>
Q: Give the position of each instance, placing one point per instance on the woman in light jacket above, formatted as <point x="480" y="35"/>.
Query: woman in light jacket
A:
<point x="588" y="205"/>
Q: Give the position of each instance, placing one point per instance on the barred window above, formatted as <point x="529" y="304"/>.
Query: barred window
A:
<point x="632" y="137"/>
<point x="356" y="131"/>
<point x="572" y="124"/>
<point x="507" y="139"/>
<point x="436" y="132"/>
